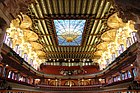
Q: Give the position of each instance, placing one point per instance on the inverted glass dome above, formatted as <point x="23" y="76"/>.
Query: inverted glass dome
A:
<point x="69" y="32"/>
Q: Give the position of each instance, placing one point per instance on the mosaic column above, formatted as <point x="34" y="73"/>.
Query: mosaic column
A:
<point x="137" y="61"/>
<point x="3" y="27"/>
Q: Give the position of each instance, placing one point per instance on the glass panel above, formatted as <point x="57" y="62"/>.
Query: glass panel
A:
<point x="129" y="74"/>
<point x="69" y="32"/>
<point x="13" y="75"/>
<point x="25" y="57"/>
<point x="134" y="38"/>
<point x="0" y="69"/>
<point x="16" y="49"/>
<point x="129" y="42"/>
<point x="119" y="78"/>
<point x="123" y="76"/>
<point x="9" y="74"/>
<point x="126" y="77"/>
<point x="134" y="72"/>
<point x="113" y="56"/>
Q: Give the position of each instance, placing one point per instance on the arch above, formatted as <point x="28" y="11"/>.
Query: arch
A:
<point x="69" y="83"/>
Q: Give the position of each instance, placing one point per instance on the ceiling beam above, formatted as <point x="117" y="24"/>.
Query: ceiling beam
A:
<point x="70" y="53"/>
<point x="59" y="35"/>
<point x="59" y="17"/>
<point x="68" y="58"/>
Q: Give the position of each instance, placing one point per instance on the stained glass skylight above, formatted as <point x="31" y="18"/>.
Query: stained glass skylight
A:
<point x="69" y="32"/>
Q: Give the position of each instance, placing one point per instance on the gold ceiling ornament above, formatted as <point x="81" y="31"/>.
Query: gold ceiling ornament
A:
<point x="112" y="47"/>
<point x="96" y="56"/>
<point x="121" y="35"/>
<point x="41" y="54"/>
<point x="29" y="35"/>
<point x="39" y="61"/>
<point x="106" y="55"/>
<point x="103" y="46"/>
<point x="98" y="53"/>
<point x="36" y="46"/>
<point x="121" y="41"/>
<point x="33" y="55"/>
<point x="101" y="61"/>
<point x="109" y="36"/>
<point x="95" y="60"/>
<point x="26" y="47"/>
<point x="14" y="32"/>
<point x="115" y="22"/>
<point x="17" y="42"/>
<point x="25" y="21"/>
<point x="15" y="23"/>
<point x="130" y="26"/>
<point x="69" y="36"/>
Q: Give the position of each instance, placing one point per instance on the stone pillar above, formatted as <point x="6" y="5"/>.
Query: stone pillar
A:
<point x="3" y="26"/>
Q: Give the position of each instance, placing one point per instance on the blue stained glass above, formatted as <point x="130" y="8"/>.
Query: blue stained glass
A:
<point x="69" y="32"/>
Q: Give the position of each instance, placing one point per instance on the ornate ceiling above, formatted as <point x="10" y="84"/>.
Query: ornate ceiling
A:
<point x="95" y="12"/>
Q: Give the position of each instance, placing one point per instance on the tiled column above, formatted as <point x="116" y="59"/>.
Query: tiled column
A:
<point x="3" y="27"/>
<point x="137" y="61"/>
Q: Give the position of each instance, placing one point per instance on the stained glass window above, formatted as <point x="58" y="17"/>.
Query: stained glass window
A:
<point x="129" y="74"/>
<point x="69" y="32"/>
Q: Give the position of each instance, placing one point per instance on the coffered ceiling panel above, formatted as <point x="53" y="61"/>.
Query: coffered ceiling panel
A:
<point x="95" y="12"/>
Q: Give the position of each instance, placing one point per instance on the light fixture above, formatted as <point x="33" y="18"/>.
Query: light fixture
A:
<point x="7" y="65"/>
<point x="100" y="79"/>
<point x="84" y="60"/>
<point x="69" y="60"/>
<point x="89" y="79"/>
<point x="131" y="65"/>
<point x="72" y="59"/>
